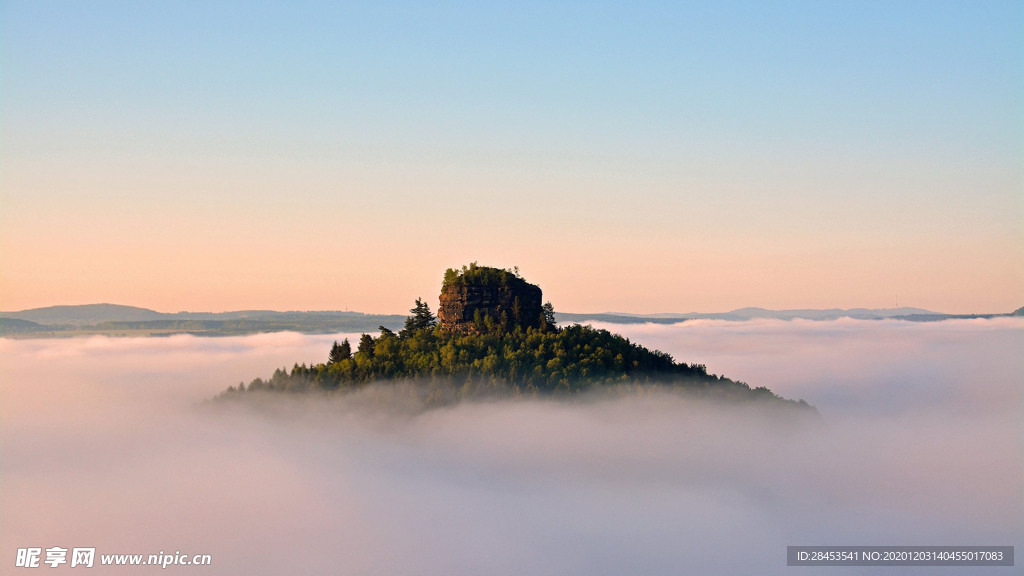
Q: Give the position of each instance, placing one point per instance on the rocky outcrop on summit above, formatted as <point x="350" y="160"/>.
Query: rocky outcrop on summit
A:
<point x="479" y="295"/>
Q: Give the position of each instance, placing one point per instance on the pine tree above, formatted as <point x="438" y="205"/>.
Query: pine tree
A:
<point x="547" y="317"/>
<point x="421" y="318"/>
<point x="366" y="345"/>
<point x="340" y="352"/>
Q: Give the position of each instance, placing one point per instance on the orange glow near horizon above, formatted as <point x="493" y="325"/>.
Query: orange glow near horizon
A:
<point x="205" y="264"/>
<point x="681" y="164"/>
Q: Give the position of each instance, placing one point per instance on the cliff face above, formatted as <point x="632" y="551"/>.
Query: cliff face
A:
<point x="481" y="292"/>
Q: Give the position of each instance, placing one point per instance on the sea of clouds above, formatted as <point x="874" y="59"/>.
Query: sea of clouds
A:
<point x="107" y="443"/>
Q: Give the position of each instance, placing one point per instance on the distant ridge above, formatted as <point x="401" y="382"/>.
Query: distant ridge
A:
<point x="84" y="315"/>
<point x="16" y="326"/>
<point x="830" y="313"/>
<point x="752" y="313"/>
<point x="120" y="320"/>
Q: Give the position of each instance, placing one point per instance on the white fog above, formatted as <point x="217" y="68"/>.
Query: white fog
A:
<point x="107" y="443"/>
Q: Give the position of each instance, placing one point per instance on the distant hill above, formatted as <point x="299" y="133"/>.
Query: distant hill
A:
<point x="118" y="320"/>
<point x="16" y="326"/>
<point x="84" y="315"/>
<point x="741" y="314"/>
<point x="828" y="314"/>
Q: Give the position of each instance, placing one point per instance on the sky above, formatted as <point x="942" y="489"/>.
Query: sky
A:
<point x="634" y="156"/>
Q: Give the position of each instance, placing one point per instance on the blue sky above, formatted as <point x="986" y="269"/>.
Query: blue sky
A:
<point x="783" y="154"/>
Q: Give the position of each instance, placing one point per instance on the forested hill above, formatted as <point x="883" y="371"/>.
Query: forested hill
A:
<point x="489" y="345"/>
<point x="555" y="361"/>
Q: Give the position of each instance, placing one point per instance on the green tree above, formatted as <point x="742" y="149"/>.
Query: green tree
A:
<point x="547" y="317"/>
<point x="422" y="318"/>
<point x="451" y="276"/>
<point x="366" y="345"/>
<point x="340" y="352"/>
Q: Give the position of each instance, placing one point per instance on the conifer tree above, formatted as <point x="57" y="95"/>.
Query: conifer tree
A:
<point x="547" y="320"/>
<point x="340" y="352"/>
<point x="366" y="345"/>
<point x="421" y="318"/>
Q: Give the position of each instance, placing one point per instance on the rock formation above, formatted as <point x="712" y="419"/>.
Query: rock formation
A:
<point x="470" y="296"/>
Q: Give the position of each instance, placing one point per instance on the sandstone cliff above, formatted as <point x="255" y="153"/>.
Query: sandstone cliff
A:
<point x="476" y="293"/>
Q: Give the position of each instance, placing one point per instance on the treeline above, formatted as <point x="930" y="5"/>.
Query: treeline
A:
<point x="546" y="360"/>
<point x="476" y="275"/>
<point x="311" y="323"/>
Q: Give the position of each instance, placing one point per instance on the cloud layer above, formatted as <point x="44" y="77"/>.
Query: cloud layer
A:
<point x="105" y="444"/>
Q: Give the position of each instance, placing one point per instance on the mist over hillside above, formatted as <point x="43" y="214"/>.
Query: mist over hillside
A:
<point x="922" y="425"/>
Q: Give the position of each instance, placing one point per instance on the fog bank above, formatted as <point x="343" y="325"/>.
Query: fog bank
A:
<point x="103" y="443"/>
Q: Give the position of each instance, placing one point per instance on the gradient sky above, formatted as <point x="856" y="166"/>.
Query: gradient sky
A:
<point x="637" y="157"/>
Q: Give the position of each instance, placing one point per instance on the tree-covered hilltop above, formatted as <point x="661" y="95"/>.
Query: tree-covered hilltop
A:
<point x="495" y="356"/>
<point x="566" y="361"/>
